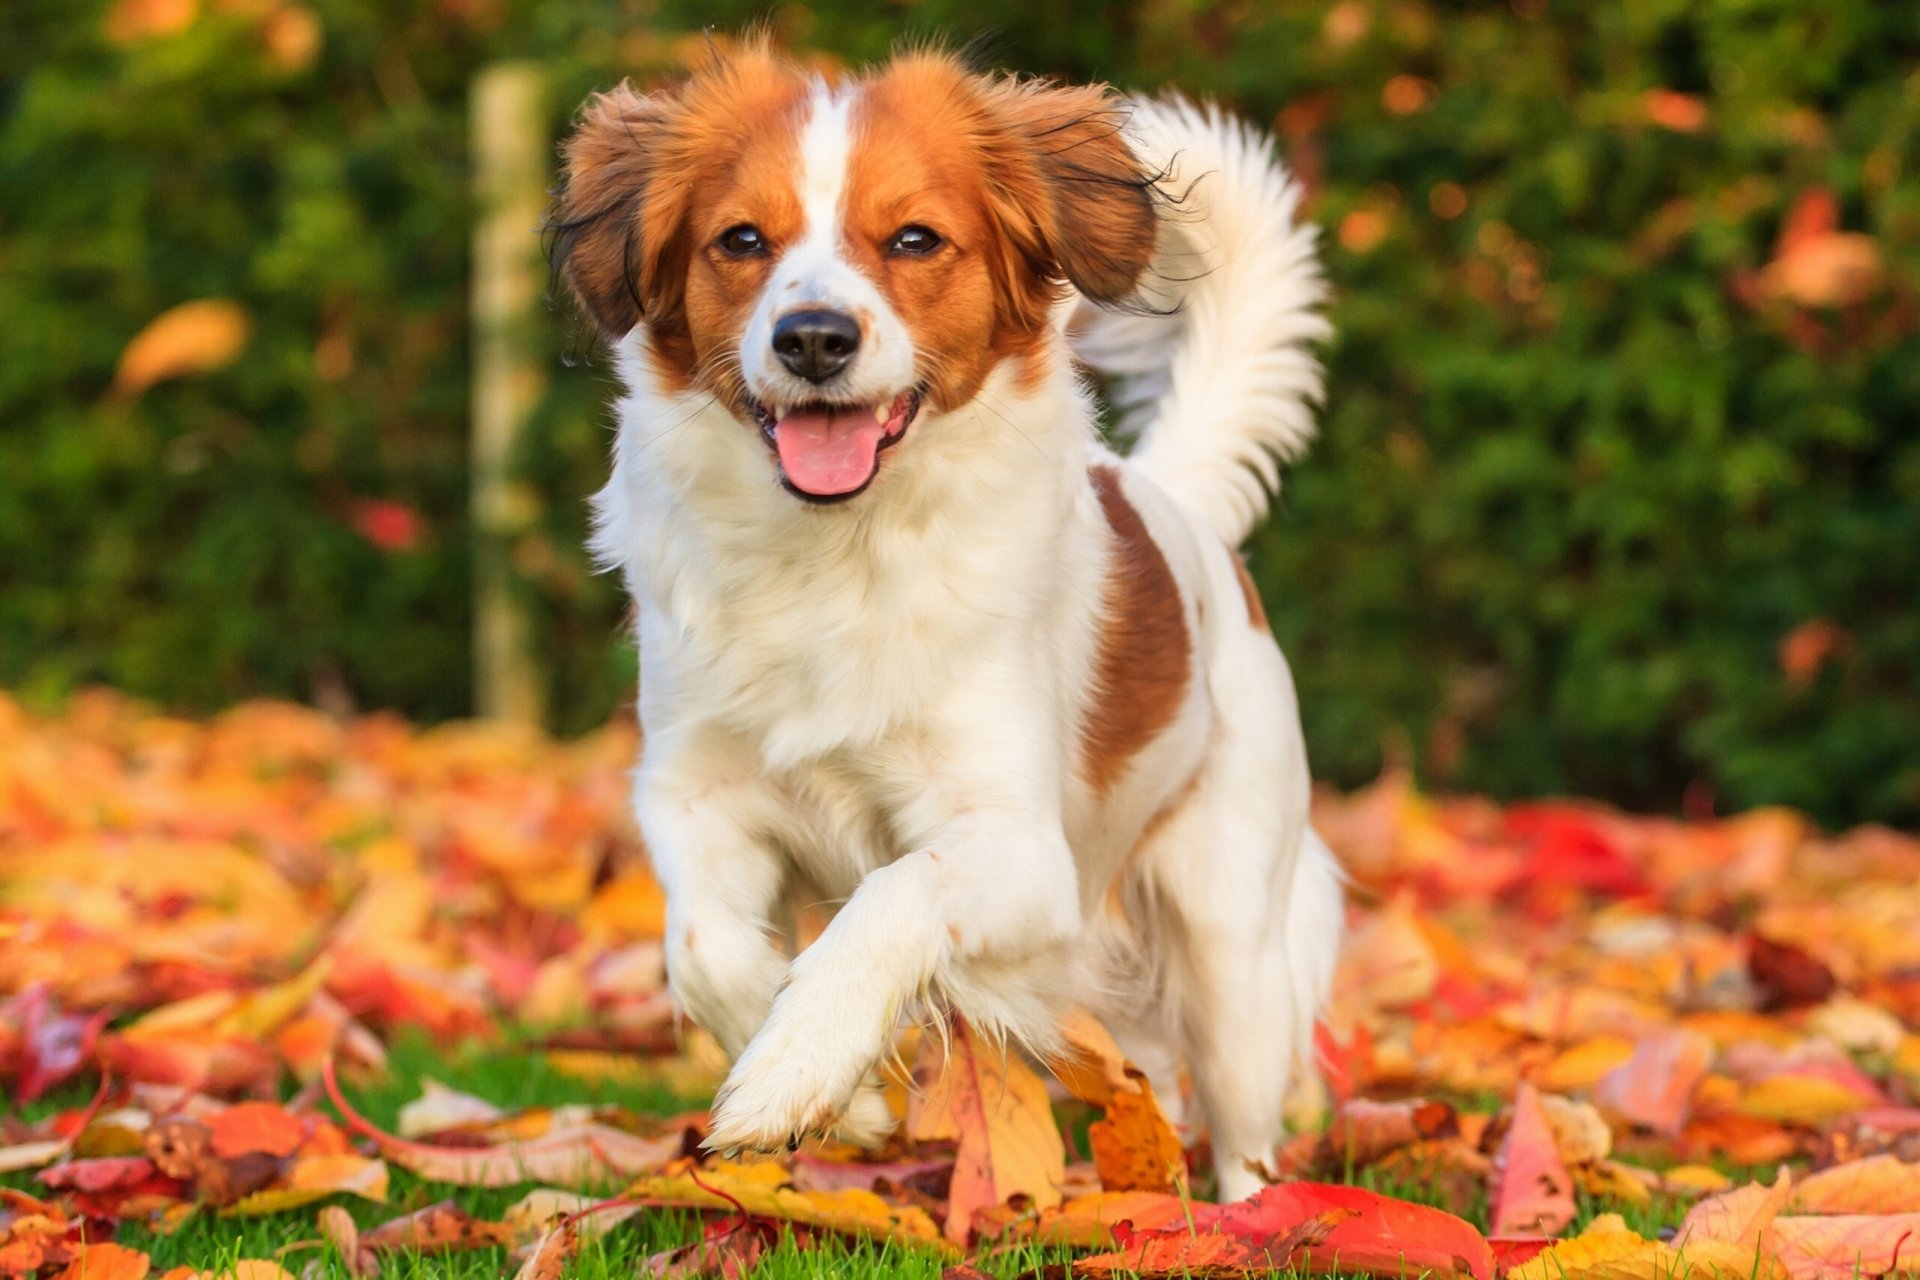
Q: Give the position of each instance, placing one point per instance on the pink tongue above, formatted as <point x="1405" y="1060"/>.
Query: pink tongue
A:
<point x="828" y="453"/>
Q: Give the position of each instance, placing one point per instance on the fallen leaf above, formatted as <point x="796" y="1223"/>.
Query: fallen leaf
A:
<point x="1740" y="1216"/>
<point x="1363" y="1131"/>
<point x="107" y="1261"/>
<point x="1384" y="1237"/>
<point x="1848" y="1247"/>
<point x="1654" y="1088"/>
<point x="1606" y="1250"/>
<point x="1531" y="1193"/>
<point x="577" y="1155"/>
<point x="439" y="1228"/>
<point x="1008" y="1142"/>
<point x="194" y="337"/>
<point x="1134" y="1147"/>
<point x="439" y="1109"/>
<point x="550" y="1256"/>
<point x="1169" y="1256"/>
<point x="249" y="1127"/>
<point x="766" y="1190"/>
<point x="1877" y="1184"/>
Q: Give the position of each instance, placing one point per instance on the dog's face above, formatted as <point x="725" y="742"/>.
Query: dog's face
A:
<point x="832" y="260"/>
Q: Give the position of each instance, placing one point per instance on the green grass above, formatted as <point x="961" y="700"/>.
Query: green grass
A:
<point x="516" y="1077"/>
<point x="512" y="1078"/>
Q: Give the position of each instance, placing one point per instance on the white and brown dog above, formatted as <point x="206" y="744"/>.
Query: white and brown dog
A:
<point x="913" y="639"/>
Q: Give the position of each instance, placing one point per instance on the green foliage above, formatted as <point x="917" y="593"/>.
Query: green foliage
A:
<point x="1583" y="469"/>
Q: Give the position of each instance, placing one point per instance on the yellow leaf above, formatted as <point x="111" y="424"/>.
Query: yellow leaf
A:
<point x="1582" y="1065"/>
<point x="766" y="1189"/>
<point x="1877" y="1184"/>
<point x="1008" y="1142"/>
<point x="629" y="906"/>
<point x="261" y="1014"/>
<point x="1803" y="1100"/>
<point x="194" y="337"/>
<point x="1612" y="1180"/>
<point x="1604" y="1251"/>
<point x="1694" y="1178"/>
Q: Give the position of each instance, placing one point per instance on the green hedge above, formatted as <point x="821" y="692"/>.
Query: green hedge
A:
<point x="1587" y="463"/>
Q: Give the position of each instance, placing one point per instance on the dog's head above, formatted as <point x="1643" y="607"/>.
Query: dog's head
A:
<point x="829" y="259"/>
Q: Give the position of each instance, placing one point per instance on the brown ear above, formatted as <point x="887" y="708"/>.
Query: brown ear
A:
<point x="1086" y="197"/>
<point x="614" y="233"/>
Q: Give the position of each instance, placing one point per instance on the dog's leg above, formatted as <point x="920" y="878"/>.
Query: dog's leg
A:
<point x="705" y="826"/>
<point x="981" y="890"/>
<point x="1250" y="914"/>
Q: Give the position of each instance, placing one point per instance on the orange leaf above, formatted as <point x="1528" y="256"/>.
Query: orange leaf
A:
<point x="1848" y="1247"/>
<point x="1181" y="1253"/>
<point x="131" y="20"/>
<point x="1878" y="1184"/>
<point x="1008" y="1143"/>
<point x="1806" y="648"/>
<point x="1740" y="1216"/>
<point x="1681" y="112"/>
<point x="438" y="1228"/>
<point x="1532" y="1194"/>
<point x="1092" y="1068"/>
<point x="247" y="1127"/>
<point x="108" y="1262"/>
<point x="766" y="1190"/>
<point x="1134" y="1147"/>
<point x="194" y="337"/>
<point x="1362" y="1131"/>
<point x="1654" y="1088"/>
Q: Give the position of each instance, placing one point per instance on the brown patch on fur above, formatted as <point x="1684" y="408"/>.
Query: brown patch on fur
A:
<point x="653" y="179"/>
<point x="1256" y="611"/>
<point x="1025" y="184"/>
<point x="1143" y="663"/>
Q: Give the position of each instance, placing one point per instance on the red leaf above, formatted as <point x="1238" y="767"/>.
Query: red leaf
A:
<point x="1532" y="1193"/>
<point x="1654" y="1088"/>
<point x="1787" y="975"/>
<point x="98" y="1175"/>
<point x="1182" y="1253"/>
<point x="1387" y="1237"/>
<point x="390" y="526"/>
<point x="53" y="1045"/>
<point x="1572" y="847"/>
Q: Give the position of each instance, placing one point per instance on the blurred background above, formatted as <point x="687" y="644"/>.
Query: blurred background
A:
<point x="1619" y="484"/>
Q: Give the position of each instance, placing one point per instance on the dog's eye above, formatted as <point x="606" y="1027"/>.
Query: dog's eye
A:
<point x="915" y="241"/>
<point x="742" y="240"/>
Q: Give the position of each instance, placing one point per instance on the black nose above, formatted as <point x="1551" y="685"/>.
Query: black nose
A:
<point x="815" y="345"/>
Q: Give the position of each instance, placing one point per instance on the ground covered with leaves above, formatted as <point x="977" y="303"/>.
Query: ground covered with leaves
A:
<point x="286" y="996"/>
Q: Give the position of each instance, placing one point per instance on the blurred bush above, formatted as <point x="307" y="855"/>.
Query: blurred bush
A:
<point x="1620" y="484"/>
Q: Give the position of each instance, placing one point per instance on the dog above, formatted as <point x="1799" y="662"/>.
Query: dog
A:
<point x="913" y="639"/>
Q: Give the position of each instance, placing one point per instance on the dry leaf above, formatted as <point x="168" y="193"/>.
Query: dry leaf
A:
<point x="1009" y="1144"/>
<point x="194" y="337"/>
<point x="1531" y="1193"/>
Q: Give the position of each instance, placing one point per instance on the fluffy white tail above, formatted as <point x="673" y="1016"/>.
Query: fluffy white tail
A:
<point x="1221" y="389"/>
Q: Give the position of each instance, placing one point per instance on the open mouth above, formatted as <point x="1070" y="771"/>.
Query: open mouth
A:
<point x="830" y="452"/>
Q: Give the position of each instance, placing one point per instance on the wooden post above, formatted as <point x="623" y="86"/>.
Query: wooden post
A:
<point x="510" y="165"/>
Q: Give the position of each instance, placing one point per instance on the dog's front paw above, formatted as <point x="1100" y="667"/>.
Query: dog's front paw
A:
<point x="785" y="1088"/>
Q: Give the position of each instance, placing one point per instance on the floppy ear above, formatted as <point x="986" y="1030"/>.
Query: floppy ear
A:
<point x="1084" y="197"/>
<point x="616" y="232"/>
